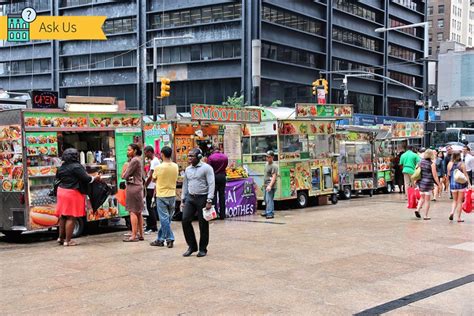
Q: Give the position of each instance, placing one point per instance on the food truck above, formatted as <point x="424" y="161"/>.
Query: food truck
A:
<point x="32" y="142"/>
<point x="355" y="146"/>
<point x="206" y="127"/>
<point x="303" y="140"/>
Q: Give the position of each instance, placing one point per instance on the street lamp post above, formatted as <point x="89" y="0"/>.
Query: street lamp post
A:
<point x="425" y="67"/>
<point x="155" y="66"/>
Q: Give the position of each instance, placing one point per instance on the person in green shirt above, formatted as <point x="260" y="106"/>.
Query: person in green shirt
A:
<point x="409" y="160"/>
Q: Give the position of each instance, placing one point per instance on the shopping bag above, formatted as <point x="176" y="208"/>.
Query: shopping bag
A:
<point x="417" y="194"/>
<point x="145" y="209"/>
<point x="209" y="214"/>
<point x="459" y="176"/>
<point x="467" y="204"/>
<point x="412" y="198"/>
<point x="121" y="197"/>
<point x="417" y="174"/>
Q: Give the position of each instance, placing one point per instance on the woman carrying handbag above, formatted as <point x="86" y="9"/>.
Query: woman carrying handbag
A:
<point x="457" y="183"/>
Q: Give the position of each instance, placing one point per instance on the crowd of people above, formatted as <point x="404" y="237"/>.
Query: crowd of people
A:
<point x="444" y="170"/>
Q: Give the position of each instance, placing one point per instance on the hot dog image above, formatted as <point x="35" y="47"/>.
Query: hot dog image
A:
<point x="43" y="216"/>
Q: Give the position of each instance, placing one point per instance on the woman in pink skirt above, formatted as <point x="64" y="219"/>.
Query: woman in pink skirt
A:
<point x="73" y="180"/>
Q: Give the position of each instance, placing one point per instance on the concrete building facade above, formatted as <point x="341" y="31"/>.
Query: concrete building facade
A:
<point x="299" y="39"/>
<point x="450" y="20"/>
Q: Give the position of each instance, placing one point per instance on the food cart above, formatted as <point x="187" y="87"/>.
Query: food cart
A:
<point x="384" y="155"/>
<point x="355" y="146"/>
<point x="32" y="142"/>
<point x="303" y="142"/>
<point x="209" y="126"/>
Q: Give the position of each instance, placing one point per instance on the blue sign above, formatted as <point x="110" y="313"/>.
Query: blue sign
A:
<point x="372" y="120"/>
<point x="421" y="115"/>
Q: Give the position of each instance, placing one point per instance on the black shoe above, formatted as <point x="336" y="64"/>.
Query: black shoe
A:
<point x="417" y="214"/>
<point x="263" y="214"/>
<point x="157" y="243"/>
<point x="201" y="253"/>
<point x="269" y="216"/>
<point x="189" y="252"/>
<point x="169" y="243"/>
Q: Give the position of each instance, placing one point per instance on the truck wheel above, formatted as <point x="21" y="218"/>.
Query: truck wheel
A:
<point x="334" y="199"/>
<point x="78" y="227"/>
<point x="302" y="199"/>
<point x="346" y="193"/>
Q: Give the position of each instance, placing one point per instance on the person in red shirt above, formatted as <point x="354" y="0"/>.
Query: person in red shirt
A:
<point x="219" y="161"/>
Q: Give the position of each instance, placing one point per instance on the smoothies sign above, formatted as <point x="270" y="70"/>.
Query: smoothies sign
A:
<point x="310" y="110"/>
<point x="200" y="112"/>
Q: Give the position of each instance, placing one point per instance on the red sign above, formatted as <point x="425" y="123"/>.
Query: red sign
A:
<point x="216" y="113"/>
<point x="44" y="99"/>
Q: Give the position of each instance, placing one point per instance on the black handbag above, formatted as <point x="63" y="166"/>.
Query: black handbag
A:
<point x="54" y="190"/>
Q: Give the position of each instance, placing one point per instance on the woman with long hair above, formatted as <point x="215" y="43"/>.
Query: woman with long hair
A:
<point x="457" y="189"/>
<point x="428" y="178"/>
<point x="441" y="172"/>
<point x="71" y="201"/>
<point x="133" y="176"/>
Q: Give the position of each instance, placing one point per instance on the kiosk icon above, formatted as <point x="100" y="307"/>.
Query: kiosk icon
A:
<point x="18" y="30"/>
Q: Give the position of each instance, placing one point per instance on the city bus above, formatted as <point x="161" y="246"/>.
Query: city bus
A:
<point x="453" y="134"/>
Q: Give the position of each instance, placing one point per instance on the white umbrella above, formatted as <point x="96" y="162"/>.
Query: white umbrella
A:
<point x="457" y="148"/>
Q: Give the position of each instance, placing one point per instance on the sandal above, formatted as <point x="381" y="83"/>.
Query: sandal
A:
<point x="426" y="218"/>
<point x="417" y="214"/>
<point x="130" y="240"/>
<point x="460" y="221"/>
<point x="71" y="243"/>
<point x="60" y="241"/>
<point x="141" y="238"/>
<point x="451" y="216"/>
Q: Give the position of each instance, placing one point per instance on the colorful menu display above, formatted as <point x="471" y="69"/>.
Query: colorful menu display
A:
<point x="11" y="159"/>
<point x="305" y="128"/>
<point x="41" y="143"/>
<point x="310" y="110"/>
<point x="183" y="144"/>
<point x="407" y="129"/>
<point x="158" y="135"/>
<point x="80" y="120"/>
<point x="363" y="184"/>
<point x="354" y="136"/>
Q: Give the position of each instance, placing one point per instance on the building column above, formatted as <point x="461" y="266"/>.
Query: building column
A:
<point x="142" y="103"/>
<point x="251" y="21"/>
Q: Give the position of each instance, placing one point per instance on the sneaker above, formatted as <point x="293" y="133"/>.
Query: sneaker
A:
<point x="148" y="232"/>
<point x="157" y="243"/>
<point x="269" y="216"/>
<point x="263" y="214"/>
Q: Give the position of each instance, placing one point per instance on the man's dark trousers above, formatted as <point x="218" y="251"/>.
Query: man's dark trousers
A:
<point x="193" y="204"/>
<point x="151" y="218"/>
<point x="220" y="180"/>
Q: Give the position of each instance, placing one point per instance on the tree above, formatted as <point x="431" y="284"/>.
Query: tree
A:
<point x="275" y="104"/>
<point x="235" y="101"/>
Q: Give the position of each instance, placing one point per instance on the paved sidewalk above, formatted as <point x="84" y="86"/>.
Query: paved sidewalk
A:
<point x="327" y="260"/>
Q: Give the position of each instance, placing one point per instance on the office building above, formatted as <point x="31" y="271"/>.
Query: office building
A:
<point x="450" y="20"/>
<point x="299" y="40"/>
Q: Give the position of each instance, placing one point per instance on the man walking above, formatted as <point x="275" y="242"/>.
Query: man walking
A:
<point x="165" y="175"/>
<point x="219" y="161"/>
<point x="150" y="190"/>
<point x="269" y="182"/>
<point x="409" y="160"/>
<point x="468" y="161"/>
<point x="197" y="193"/>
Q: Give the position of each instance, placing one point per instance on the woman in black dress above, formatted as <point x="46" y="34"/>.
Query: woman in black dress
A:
<point x="429" y="177"/>
<point x="398" y="173"/>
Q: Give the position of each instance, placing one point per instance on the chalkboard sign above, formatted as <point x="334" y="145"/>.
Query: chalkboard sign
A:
<point x="44" y="99"/>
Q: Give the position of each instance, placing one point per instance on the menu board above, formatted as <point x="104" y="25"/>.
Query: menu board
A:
<point x="183" y="144"/>
<point x="232" y="144"/>
<point x="353" y="136"/>
<point x="41" y="143"/>
<point x="309" y="110"/>
<point x="306" y="128"/>
<point x="11" y="159"/>
<point x="158" y="135"/>
<point x="80" y="120"/>
<point x="407" y="129"/>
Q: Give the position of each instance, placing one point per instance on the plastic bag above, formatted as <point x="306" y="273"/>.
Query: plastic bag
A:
<point x="121" y="196"/>
<point x="413" y="197"/>
<point x="209" y="214"/>
<point x="467" y="204"/>
<point x="145" y="209"/>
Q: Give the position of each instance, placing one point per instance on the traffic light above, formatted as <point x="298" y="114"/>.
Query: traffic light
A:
<point x="325" y="85"/>
<point x="165" y="87"/>
<point x="315" y="85"/>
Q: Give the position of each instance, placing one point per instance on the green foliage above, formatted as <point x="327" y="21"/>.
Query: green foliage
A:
<point x="235" y="101"/>
<point x="275" y="104"/>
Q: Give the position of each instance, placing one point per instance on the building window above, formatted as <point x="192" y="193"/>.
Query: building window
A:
<point x="401" y="52"/>
<point x="430" y="23"/>
<point x="291" y="20"/>
<point x="440" y="22"/>
<point x="353" y="7"/>
<point x="25" y="67"/>
<point x="123" y="25"/>
<point x="430" y="10"/>
<point x="339" y="64"/>
<point x="406" y="79"/>
<point x="356" y="39"/>
<point x="412" y="30"/>
<point x="439" y="37"/>
<point x="440" y="9"/>
<point x="216" y="13"/>
<point x="291" y="55"/>
<point x="98" y="61"/>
